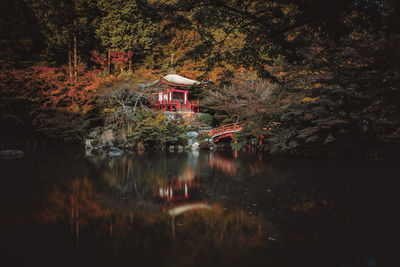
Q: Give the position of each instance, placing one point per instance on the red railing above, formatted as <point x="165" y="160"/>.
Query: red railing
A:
<point x="233" y="127"/>
<point x="236" y="127"/>
<point x="190" y="105"/>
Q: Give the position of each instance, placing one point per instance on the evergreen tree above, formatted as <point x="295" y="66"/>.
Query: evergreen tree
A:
<point x="123" y="27"/>
<point x="60" y="21"/>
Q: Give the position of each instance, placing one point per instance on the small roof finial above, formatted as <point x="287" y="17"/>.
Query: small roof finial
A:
<point x="172" y="70"/>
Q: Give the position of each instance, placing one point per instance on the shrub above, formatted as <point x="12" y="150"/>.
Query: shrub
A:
<point x="206" y="118"/>
<point x="203" y="145"/>
<point x="182" y="141"/>
<point x="202" y="136"/>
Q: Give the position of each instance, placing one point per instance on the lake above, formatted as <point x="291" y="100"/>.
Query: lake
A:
<point x="62" y="208"/>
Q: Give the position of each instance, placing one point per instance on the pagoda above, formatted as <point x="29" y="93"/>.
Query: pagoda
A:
<point x="174" y="94"/>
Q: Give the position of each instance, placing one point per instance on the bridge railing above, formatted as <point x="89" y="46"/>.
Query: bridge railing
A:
<point x="233" y="127"/>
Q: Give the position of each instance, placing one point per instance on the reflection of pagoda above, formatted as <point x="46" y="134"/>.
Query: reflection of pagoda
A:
<point x="174" y="96"/>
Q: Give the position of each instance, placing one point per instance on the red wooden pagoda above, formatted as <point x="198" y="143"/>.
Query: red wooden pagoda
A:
<point x="174" y="97"/>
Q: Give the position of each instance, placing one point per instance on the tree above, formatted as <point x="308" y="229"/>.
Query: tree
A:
<point x="125" y="100"/>
<point x="122" y="27"/>
<point x="244" y="99"/>
<point x="61" y="21"/>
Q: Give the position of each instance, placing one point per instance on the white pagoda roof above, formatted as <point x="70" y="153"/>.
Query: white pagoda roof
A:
<point x="174" y="78"/>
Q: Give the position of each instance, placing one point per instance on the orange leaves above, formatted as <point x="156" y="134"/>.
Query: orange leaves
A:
<point x="309" y="99"/>
<point x="50" y="87"/>
<point x="145" y="75"/>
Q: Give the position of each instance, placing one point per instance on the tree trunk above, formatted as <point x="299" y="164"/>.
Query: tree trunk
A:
<point x="70" y="62"/>
<point x="75" y="60"/>
<point x="109" y="62"/>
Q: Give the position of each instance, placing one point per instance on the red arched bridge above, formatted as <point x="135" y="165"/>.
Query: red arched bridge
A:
<point x="229" y="129"/>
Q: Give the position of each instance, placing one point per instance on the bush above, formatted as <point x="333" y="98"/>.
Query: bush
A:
<point x="206" y="118"/>
<point x="182" y="141"/>
<point x="154" y="129"/>
<point x="203" y="145"/>
<point x="202" y="136"/>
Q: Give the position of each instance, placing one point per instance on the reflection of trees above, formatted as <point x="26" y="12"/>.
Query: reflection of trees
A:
<point x="231" y="165"/>
<point x="76" y="203"/>
<point x="216" y="235"/>
<point x="223" y="164"/>
<point x="315" y="206"/>
<point x="138" y="176"/>
<point x="139" y="230"/>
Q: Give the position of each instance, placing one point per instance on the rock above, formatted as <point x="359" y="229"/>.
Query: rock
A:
<point x="195" y="146"/>
<point x="193" y="134"/>
<point x="115" y="152"/>
<point x="88" y="153"/>
<point x="107" y="136"/>
<point x="88" y="144"/>
<point x="11" y="154"/>
<point x="190" y="143"/>
<point x="93" y="134"/>
<point x="209" y="140"/>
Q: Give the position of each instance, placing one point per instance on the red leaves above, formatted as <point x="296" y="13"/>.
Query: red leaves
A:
<point x="49" y="87"/>
<point x="118" y="57"/>
<point x="100" y="59"/>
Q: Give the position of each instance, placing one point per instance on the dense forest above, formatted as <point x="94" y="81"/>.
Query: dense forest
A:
<point x="328" y="71"/>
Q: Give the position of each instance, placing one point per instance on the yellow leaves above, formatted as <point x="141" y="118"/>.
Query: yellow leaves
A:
<point x="159" y="118"/>
<point x="309" y="99"/>
<point x="108" y="110"/>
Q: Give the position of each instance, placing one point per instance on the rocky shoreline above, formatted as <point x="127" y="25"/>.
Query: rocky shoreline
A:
<point x="112" y="143"/>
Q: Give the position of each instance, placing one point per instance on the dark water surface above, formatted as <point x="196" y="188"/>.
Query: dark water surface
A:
<point x="60" y="208"/>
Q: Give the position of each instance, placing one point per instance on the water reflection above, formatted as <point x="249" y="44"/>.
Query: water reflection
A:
<point x="224" y="164"/>
<point x="188" y="208"/>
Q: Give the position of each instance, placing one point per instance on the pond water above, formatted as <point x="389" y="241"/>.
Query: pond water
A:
<point x="61" y="208"/>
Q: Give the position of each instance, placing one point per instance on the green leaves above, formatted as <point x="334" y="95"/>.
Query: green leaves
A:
<point x="155" y="129"/>
<point x="122" y="27"/>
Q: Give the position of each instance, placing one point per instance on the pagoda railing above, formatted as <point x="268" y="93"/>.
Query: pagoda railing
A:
<point x="190" y="105"/>
<point x="176" y="102"/>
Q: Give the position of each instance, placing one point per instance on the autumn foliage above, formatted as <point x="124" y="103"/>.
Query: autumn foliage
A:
<point x="48" y="99"/>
